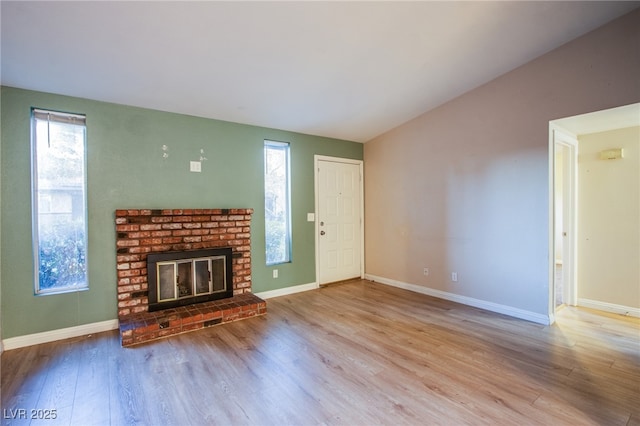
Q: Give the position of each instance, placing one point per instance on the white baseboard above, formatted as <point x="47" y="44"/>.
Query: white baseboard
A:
<point x="470" y="301"/>
<point x="286" y="290"/>
<point x="609" y="307"/>
<point x="63" y="333"/>
<point x="81" y="330"/>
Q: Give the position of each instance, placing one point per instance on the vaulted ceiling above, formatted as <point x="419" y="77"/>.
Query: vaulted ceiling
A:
<point x="348" y="70"/>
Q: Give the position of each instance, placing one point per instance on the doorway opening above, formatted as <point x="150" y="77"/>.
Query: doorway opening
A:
<point x="565" y="261"/>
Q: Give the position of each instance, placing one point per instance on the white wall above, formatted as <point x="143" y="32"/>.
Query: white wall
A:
<point x="609" y="218"/>
<point x="464" y="187"/>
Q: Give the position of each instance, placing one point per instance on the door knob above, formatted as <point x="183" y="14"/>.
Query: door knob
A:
<point x="322" y="232"/>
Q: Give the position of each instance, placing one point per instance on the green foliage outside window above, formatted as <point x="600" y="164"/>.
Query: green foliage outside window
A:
<point x="62" y="259"/>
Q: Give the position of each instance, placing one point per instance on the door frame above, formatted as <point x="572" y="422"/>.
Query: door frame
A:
<point x="561" y="137"/>
<point x="316" y="161"/>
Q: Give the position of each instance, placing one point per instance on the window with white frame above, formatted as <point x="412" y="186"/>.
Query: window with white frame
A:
<point x="277" y="202"/>
<point x="59" y="213"/>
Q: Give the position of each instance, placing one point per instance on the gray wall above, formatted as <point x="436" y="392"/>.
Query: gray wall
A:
<point x="465" y="187"/>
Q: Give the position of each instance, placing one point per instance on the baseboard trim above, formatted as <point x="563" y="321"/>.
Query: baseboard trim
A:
<point x="470" y="301"/>
<point x="609" y="307"/>
<point x="286" y="290"/>
<point x="63" y="333"/>
<point x="97" y="327"/>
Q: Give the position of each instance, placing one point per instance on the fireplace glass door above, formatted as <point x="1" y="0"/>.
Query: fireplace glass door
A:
<point x="182" y="278"/>
<point x="185" y="278"/>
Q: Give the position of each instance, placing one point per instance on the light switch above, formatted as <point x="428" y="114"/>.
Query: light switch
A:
<point x="195" y="166"/>
<point x="311" y="217"/>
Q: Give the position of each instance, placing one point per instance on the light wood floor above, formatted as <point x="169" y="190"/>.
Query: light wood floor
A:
<point x="357" y="353"/>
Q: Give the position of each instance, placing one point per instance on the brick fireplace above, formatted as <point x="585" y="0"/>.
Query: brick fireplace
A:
<point x="141" y="232"/>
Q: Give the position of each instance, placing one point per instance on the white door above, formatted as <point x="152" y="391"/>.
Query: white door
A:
<point x="339" y="220"/>
<point x="565" y="147"/>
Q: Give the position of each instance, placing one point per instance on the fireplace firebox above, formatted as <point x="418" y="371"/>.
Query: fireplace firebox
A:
<point x="186" y="277"/>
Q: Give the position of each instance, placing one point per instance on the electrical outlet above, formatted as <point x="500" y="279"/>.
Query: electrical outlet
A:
<point x="454" y="277"/>
<point x="425" y="271"/>
<point x="275" y="273"/>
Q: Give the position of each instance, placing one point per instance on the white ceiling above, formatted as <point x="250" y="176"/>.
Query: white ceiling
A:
<point x="349" y="70"/>
<point x="602" y="121"/>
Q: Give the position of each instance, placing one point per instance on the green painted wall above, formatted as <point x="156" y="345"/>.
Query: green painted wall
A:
<point x="126" y="169"/>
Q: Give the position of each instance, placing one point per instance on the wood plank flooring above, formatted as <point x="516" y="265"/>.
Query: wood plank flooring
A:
<point x="357" y="353"/>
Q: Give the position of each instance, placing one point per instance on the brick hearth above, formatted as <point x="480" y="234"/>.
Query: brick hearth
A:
<point x="144" y="231"/>
<point x="146" y="326"/>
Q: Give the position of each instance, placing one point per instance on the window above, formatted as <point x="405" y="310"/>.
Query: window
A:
<point x="59" y="201"/>
<point x="276" y="202"/>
